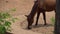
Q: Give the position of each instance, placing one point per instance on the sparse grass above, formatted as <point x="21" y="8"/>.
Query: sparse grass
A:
<point x="13" y="9"/>
<point x="53" y="20"/>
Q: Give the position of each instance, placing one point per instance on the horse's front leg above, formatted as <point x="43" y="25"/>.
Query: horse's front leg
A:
<point x="38" y="14"/>
<point x="44" y="17"/>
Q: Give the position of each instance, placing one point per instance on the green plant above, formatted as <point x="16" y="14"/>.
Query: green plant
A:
<point x="5" y="22"/>
<point x="13" y="9"/>
<point x="53" y="20"/>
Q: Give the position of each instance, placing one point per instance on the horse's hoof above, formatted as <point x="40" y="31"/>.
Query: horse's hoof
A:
<point x="45" y="24"/>
<point x="29" y="28"/>
<point x="35" y="24"/>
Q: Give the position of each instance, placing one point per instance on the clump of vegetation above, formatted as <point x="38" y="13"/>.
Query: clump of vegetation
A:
<point x="13" y="9"/>
<point x="5" y="22"/>
<point x="53" y="20"/>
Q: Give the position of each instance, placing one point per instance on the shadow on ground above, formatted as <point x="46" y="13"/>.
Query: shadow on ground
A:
<point x="41" y="25"/>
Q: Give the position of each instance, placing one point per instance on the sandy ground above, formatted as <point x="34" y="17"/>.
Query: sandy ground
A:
<point x="23" y="7"/>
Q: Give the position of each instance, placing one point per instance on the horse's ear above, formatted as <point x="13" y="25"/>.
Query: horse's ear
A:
<point x="26" y="15"/>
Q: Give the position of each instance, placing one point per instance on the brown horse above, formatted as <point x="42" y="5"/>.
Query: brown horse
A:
<point x="40" y="6"/>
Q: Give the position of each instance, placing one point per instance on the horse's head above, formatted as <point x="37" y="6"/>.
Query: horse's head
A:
<point x="29" y="19"/>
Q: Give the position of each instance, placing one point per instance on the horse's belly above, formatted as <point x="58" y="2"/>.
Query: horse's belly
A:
<point x="49" y="8"/>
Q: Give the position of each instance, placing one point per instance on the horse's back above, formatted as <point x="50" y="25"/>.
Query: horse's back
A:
<point x="47" y="4"/>
<point x="50" y="2"/>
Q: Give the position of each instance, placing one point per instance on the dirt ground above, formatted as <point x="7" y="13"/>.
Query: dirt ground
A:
<point x="23" y="7"/>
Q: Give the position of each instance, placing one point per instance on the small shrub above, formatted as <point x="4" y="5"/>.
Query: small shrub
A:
<point x="53" y="20"/>
<point x="5" y="22"/>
